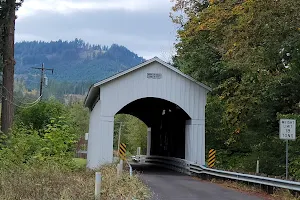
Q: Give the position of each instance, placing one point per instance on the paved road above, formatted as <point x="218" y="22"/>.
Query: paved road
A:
<point x="169" y="185"/>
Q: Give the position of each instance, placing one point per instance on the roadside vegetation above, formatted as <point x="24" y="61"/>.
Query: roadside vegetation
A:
<point x="37" y="158"/>
<point x="48" y="181"/>
<point x="255" y="190"/>
<point x="248" y="52"/>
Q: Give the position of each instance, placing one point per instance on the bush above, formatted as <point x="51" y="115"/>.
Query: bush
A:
<point x="25" y="146"/>
<point x="38" y="116"/>
<point x="36" y="160"/>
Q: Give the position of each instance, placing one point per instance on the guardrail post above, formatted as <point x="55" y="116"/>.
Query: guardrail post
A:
<point x="97" y="186"/>
<point x="121" y="166"/>
<point x="138" y="151"/>
<point x="118" y="169"/>
<point x="130" y="170"/>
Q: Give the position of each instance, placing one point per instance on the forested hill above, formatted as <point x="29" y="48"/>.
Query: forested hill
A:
<point x="73" y="61"/>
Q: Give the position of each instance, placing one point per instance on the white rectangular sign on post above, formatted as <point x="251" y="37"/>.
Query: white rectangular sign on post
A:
<point x="287" y="129"/>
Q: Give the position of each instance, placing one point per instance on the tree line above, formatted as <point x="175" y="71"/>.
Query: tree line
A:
<point x="248" y="52"/>
<point x="32" y="52"/>
<point x="74" y="60"/>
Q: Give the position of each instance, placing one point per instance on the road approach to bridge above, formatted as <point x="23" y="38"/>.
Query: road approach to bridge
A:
<point x="170" y="185"/>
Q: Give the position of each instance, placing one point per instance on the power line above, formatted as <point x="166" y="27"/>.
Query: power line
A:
<point x="19" y="100"/>
<point x="23" y="83"/>
<point x="35" y="103"/>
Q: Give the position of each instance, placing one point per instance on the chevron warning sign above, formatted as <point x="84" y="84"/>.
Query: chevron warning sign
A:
<point x="211" y="158"/>
<point x="122" y="151"/>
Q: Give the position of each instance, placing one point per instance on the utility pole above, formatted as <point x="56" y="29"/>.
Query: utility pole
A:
<point x="7" y="38"/>
<point x="119" y="139"/>
<point x="43" y="69"/>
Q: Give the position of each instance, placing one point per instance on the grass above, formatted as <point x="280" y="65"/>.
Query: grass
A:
<point x="284" y="195"/>
<point x="80" y="162"/>
<point x="279" y="194"/>
<point x="51" y="183"/>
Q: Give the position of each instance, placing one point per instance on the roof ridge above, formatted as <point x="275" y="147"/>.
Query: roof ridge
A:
<point x="145" y="63"/>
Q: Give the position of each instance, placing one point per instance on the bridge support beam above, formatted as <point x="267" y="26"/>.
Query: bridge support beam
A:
<point x="100" y="142"/>
<point x="195" y="141"/>
<point x="148" y="141"/>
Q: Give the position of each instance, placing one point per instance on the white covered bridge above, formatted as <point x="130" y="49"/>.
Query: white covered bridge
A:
<point x="169" y="102"/>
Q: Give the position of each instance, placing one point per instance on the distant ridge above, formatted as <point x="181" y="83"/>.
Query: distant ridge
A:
<point x="73" y="61"/>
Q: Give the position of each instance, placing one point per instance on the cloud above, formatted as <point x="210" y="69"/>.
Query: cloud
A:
<point x="143" y="26"/>
<point x="31" y="7"/>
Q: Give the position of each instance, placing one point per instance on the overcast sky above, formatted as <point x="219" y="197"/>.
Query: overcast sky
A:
<point x="143" y="26"/>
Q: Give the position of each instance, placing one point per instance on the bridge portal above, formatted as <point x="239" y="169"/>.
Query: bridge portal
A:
<point x="169" y="102"/>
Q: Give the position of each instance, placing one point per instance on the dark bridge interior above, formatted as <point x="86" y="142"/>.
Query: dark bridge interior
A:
<point x="167" y="122"/>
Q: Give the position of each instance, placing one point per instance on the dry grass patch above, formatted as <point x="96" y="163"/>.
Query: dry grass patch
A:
<point x="284" y="195"/>
<point x="279" y="194"/>
<point x="50" y="183"/>
<point x="125" y="187"/>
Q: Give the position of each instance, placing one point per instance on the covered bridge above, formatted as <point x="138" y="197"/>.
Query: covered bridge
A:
<point x="168" y="101"/>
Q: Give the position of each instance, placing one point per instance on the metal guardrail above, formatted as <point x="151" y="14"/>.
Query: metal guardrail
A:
<point x="273" y="182"/>
<point x="189" y="168"/>
<point x="175" y="164"/>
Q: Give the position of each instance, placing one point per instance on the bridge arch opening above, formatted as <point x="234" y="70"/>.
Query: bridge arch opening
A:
<point x="166" y="124"/>
<point x="133" y="132"/>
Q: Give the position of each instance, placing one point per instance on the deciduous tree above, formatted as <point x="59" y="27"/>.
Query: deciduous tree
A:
<point x="248" y="51"/>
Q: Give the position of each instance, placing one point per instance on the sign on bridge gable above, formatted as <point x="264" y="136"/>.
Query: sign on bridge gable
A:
<point x="287" y="129"/>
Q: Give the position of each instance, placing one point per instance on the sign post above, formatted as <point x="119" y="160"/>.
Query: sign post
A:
<point x="122" y="156"/>
<point x="287" y="159"/>
<point x="287" y="131"/>
<point x="211" y="158"/>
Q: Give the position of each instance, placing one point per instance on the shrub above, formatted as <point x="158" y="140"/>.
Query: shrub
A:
<point x="38" y="116"/>
<point x="38" y="163"/>
<point x="26" y="146"/>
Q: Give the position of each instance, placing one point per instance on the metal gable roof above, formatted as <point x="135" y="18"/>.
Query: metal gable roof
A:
<point x="94" y="89"/>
